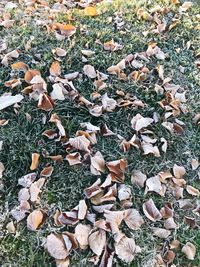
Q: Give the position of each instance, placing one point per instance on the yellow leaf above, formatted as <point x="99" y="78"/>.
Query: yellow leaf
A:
<point x="91" y="11"/>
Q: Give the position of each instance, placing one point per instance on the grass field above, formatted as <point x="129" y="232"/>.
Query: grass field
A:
<point x="64" y="188"/>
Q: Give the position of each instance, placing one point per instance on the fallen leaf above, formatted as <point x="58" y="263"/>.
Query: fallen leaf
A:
<point x="185" y="6"/>
<point x="125" y="249"/>
<point x="35" y="189"/>
<point x="179" y="171"/>
<point x="170" y="224"/>
<point x="56" y="119"/>
<point x="47" y="171"/>
<point x="30" y="74"/>
<point x="151" y="211"/>
<point x="27" y="179"/>
<point x="35" y="219"/>
<point x="45" y="102"/>
<point x="35" y="161"/>
<point x="138" y="122"/>
<point x="7" y="100"/>
<point x="97" y="164"/>
<point x="88" y="53"/>
<point x="192" y="190"/>
<point x="189" y="250"/>
<point x="82" y="210"/>
<point x="82" y="233"/>
<point x="109" y="104"/>
<point x="60" y="52"/>
<point x="138" y="178"/>
<point x="11" y="228"/>
<point x="55" y="246"/>
<point x="2" y="169"/>
<point x="91" y="11"/>
<point x="107" y="258"/>
<point x="89" y="71"/>
<point x="74" y="158"/>
<point x="194" y="164"/>
<point x="55" y="69"/>
<point x="162" y="233"/>
<point x="20" y="66"/>
<point x="97" y="241"/>
<point x="133" y="219"/>
<point x="153" y="184"/>
<point x="80" y="143"/>
<point x="65" y="29"/>
<point x="117" y="169"/>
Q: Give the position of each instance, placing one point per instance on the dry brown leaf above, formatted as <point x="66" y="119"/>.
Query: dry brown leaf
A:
<point x="19" y="213"/>
<point x="112" y="46"/>
<point x="11" y="228"/>
<point x="189" y="250"/>
<point x="148" y="148"/>
<point x="74" y="158"/>
<point x="87" y="53"/>
<point x="55" y="69"/>
<point x="151" y="211"/>
<point x="56" y="119"/>
<point x="153" y="184"/>
<point x="179" y="171"/>
<point x="138" y="122"/>
<point x="170" y="224"/>
<point x="35" y="161"/>
<point x="35" y="219"/>
<point x="82" y="233"/>
<point x="160" y="232"/>
<point x="117" y="169"/>
<point x="194" y="164"/>
<point x="65" y="29"/>
<point x="47" y="171"/>
<point x="138" y="178"/>
<point x="80" y="143"/>
<point x="27" y="179"/>
<point x="89" y="71"/>
<point x="56" y="247"/>
<point x="60" y="52"/>
<point x="185" y="6"/>
<point x="23" y="194"/>
<point x="45" y="102"/>
<point x="93" y="190"/>
<point x="109" y="104"/>
<point x="97" y="164"/>
<point x="82" y="210"/>
<point x="133" y="219"/>
<point x="125" y="249"/>
<point x="114" y="218"/>
<point x="124" y="192"/>
<point x="97" y="241"/>
<point x="13" y="83"/>
<point x="35" y="189"/>
<point x="192" y="190"/>
<point x="91" y="11"/>
<point x="58" y="92"/>
<point x="20" y="66"/>
<point x="30" y="74"/>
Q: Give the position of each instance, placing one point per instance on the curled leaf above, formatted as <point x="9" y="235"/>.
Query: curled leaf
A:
<point x="151" y="212"/>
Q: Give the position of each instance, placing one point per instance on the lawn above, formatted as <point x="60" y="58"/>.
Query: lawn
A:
<point x="22" y="136"/>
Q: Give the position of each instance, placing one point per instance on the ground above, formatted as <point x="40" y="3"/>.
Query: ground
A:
<point x="64" y="189"/>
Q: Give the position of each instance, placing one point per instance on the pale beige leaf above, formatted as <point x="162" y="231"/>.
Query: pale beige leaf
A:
<point x="151" y="212"/>
<point x="82" y="209"/>
<point x="125" y="249"/>
<point x="55" y="246"/>
<point x="160" y="232"/>
<point x="89" y="71"/>
<point x="133" y="219"/>
<point x="34" y="220"/>
<point x="80" y="143"/>
<point x="192" y="190"/>
<point x="189" y="250"/>
<point x="138" y="178"/>
<point x="179" y="171"/>
<point x="74" y="158"/>
<point x="7" y="100"/>
<point x="97" y="241"/>
<point x="82" y="233"/>
<point x="97" y="164"/>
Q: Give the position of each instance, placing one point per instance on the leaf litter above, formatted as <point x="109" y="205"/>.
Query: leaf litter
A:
<point x="97" y="222"/>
